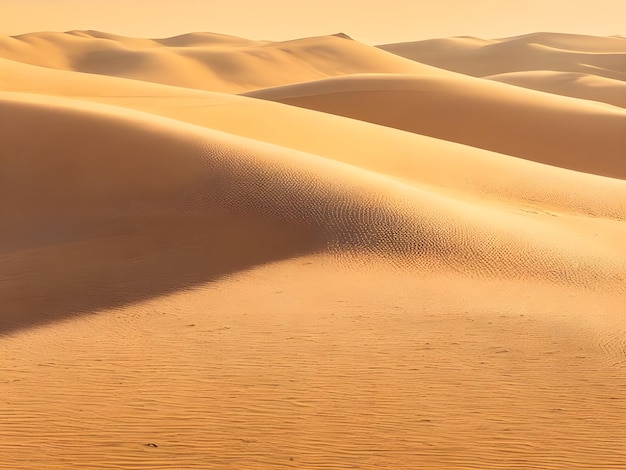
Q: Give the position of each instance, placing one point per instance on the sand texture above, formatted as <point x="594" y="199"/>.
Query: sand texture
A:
<point x="602" y="56"/>
<point x="204" y="61"/>
<point x="225" y="253"/>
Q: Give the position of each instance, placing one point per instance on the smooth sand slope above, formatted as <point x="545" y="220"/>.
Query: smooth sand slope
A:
<point x="204" y="61"/>
<point x="411" y="158"/>
<point x="192" y="279"/>
<point x="128" y="207"/>
<point x="576" y="85"/>
<point x="602" y="56"/>
<point x="549" y="129"/>
<point x="119" y="174"/>
<point x="585" y="67"/>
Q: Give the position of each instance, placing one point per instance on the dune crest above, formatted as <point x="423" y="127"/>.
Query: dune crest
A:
<point x="357" y="261"/>
<point x="410" y="158"/>
<point x="214" y="181"/>
<point x="576" y="85"/>
<point x="549" y="129"/>
<point x="538" y="51"/>
<point x="203" y="60"/>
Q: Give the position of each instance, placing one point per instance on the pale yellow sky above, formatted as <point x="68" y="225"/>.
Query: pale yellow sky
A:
<point x="374" y="22"/>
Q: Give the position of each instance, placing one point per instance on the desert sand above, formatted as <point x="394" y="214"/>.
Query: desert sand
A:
<point x="224" y="253"/>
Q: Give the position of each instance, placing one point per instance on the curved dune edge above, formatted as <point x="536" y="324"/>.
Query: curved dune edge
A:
<point x="575" y="85"/>
<point x="602" y="56"/>
<point x="126" y="196"/>
<point x="193" y="280"/>
<point x="550" y="129"/>
<point x="205" y="61"/>
<point x="415" y="159"/>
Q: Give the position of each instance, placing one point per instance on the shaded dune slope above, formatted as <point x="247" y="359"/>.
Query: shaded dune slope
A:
<point x="576" y="85"/>
<point x="126" y="206"/>
<point x="202" y="60"/>
<point x="602" y="56"/>
<point x="412" y="158"/>
<point x="255" y="284"/>
<point x="586" y="67"/>
<point x="559" y="131"/>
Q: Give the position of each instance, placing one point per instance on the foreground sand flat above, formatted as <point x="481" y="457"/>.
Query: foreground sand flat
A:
<point x="195" y="279"/>
<point x="313" y="364"/>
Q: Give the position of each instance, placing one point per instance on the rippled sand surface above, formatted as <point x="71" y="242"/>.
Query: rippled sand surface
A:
<point x="367" y="258"/>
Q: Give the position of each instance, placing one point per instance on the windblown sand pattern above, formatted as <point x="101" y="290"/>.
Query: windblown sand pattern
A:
<point x="223" y="253"/>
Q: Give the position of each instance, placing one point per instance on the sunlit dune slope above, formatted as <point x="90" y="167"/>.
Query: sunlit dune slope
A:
<point x="559" y="131"/>
<point x="170" y="205"/>
<point x="202" y="60"/>
<point x="575" y="85"/>
<point x="338" y="270"/>
<point x="411" y="158"/>
<point x="407" y="156"/>
<point x="602" y="56"/>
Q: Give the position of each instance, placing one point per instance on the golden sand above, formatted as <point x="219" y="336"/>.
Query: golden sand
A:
<point x="357" y="261"/>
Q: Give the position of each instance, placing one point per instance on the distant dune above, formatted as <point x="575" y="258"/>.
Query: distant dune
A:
<point x="173" y="174"/>
<point x="224" y="253"/>
<point x="576" y="85"/>
<point x="585" y="67"/>
<point x="409" y="157"/>
<point x="539" y="51"/>
<point x="201" y="60"/>
<point x="545" y="128"/>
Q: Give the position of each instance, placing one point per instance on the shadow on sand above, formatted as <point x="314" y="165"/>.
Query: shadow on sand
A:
<point x="47" y="284"/>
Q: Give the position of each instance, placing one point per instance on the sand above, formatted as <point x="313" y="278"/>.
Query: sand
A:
<point x="475" y="112"/>
<point x="577" y="85"/>
<point x="204" y="61"/>
<point x="362" y="261"/>
<point x="602" y="56"/>
<point x="586" y="67"/>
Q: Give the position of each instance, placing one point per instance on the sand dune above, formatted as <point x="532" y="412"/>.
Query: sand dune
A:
<point x="195" y="279"/>
<point x="540" y="51"/>
<point x="139" y="174"/>
<point x="204" y="61"/>
<point x="576" y="85"/>
<point x="545" y="128"/>
<point x="411" y="158"/>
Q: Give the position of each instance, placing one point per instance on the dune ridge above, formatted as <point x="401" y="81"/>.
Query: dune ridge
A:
<point x="118" y="182"/>
<point x="537" y="51"/>
<point x="202" y="60"/>
<point x="411" y="158"/>
<point x="576" y="85"/>
<point x="191" y="278"/>
<point x="562" y="132"/>
<point x="585" y="67"/>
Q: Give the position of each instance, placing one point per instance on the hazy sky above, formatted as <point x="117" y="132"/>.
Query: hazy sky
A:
<point x="375" y="22"/>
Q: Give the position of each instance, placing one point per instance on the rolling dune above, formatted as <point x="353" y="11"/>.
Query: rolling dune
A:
<point x="576" y="85"/>
<point x="539" y="51"/>
<point x="407" y="274"/>
<point x="411" y="158"/>
<point x="204" y="61"/>
<point x="549" y="129"/>
<point x="131" y="182"/>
